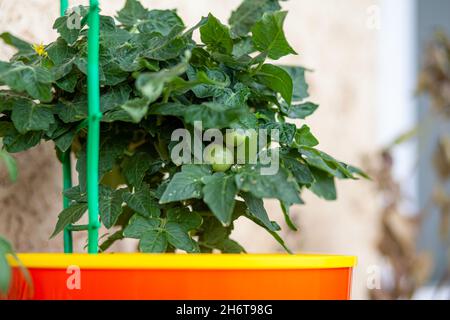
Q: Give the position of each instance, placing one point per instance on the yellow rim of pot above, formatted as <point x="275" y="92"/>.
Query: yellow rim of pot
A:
<point x="185" y="261"/>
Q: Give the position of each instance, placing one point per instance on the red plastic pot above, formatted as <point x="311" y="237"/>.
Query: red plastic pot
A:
<point x="184" y="277"/>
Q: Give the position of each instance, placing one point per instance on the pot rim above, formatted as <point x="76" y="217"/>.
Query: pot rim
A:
<point x="185" y="261"/>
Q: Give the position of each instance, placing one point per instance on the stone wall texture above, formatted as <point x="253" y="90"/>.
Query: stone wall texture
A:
<point x="332" y="39"/>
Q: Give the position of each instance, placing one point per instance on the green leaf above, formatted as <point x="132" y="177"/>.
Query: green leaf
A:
<point x="185" y="218"/>
<point x="8" y="99"/>
<point x="213" y="115"/>
<point x="274" y="234"/>
<point x="72" y="110"/>
<point x="127" y="56"/>
<point x="186" y="184"/>
<point x="324" y="186"/>
<point x="110" y="72"/>
<point x="286" y="131"/>
<point x="35" y="80"/>
<point x="297" y="74"/>
<point x="213" y="231"/>
<point x="248" y="13"/>
<point x="243" y="48"/>
<point x="304" y="137"/>
<point x="69" y="216"/>
<point x="280" y="240"/>
<point x="63" y="58"/>
<point x="142" y="201"/>
<point x="213" y="82"/>
<point x="115" y="97"/>
<point x="110" y="205"/>
<point x="357" y="171"/>
<point x="136" y="167"/>
<point x="277" y="79"/>
<point x="322" y="161"/>
<point x="161" y="21"/>
<point x="136" y="108"/>
<point x="10" y="163"/>
<point x="111" y="148"/>
<point x="181" y="86"/>
<point x="16" y="142"/>
<point x="69" y="82"/>
<point x="6" y="272"/>
<point x="236" y="97"/>
<point x="139" y="225"/>
<point x="239" y="63"/>
<point x="29" y="116"/>
<point x="132" y="13"/>
<point x="219" y="193"/>
<point x="162" y="48"/>
<point x="257" y="210"/>
<point x="153" y="241"/>
<point x="111" y="35"/>
<point x="168" y="109"/>
<point x="299" y="111"/>
<point x="300" y="171"/>
<point x="135" y="16"/>
<point x="287" y="217"/>
<point x="151" y="85"/>
<point x="64" y="141"/>
<point x="268" y="35"/>
<point x="216" y="36"/>
<point x="19" y="44"/>
<point x="179" y="238"/>
<point x="116" y="236"/>
<point x="280" y="186"/>
<point x="70" y="25"/>
<point x="230" y="246"/>
<point x="75" y="194"/>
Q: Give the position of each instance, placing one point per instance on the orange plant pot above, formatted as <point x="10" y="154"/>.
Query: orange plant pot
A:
<point x="184" y="277"/>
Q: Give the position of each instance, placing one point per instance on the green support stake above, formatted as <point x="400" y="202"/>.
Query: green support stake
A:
<point x="67" y="168"/>
<point x="93" y="145"/>
<point x="64" y="4"/>
<point x="94" y="116"/>
<point x="67" y="183"/>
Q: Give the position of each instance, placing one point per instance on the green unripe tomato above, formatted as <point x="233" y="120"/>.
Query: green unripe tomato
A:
<point x="219" y="157"/>
<point x="235" y="138"/>
<point x="247" y="151"/>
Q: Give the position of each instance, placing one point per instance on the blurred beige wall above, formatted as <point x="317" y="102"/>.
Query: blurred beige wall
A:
<point x="331" y="37"/>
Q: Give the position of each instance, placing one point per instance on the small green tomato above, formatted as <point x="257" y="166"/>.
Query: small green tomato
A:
<point x="235" y="138"/>
<point x="219" y="157"/>
<point x="247" y="152"/>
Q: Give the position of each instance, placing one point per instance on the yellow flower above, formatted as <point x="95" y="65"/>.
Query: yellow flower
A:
<point x="40" y="50"/>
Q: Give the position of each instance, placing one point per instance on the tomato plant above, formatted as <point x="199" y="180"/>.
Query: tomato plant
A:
<point x="156" y="79"/>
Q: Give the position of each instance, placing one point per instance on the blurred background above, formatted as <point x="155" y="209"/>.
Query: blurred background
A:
<point x="381" y="74"/>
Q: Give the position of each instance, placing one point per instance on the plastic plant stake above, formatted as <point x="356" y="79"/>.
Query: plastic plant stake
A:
<point x="94" y="116"/>
<point x="67" y="169"/>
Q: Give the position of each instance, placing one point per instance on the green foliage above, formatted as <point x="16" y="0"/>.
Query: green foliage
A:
<point x="155" y="79"/>
<point x="216" y="36"/>
<point x="248" y="13"/>
<point x="7" y="251"/>
<point x="268" y="36"/>
<point x="277" y="79"/>
<point x="10" y="163"/>
<point x="5" y="269"/>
